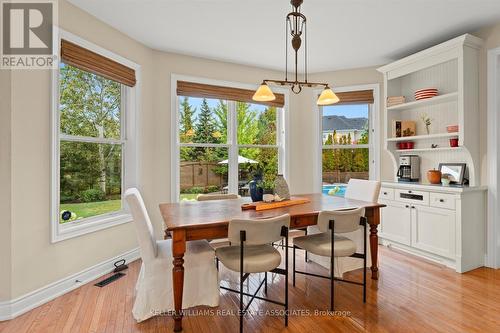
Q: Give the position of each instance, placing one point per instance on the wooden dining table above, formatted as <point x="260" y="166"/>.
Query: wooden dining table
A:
<point x="193" y="220"/>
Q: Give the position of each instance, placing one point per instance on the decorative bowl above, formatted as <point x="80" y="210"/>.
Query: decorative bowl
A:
<point x="452" y="128"/>
<point x="434" y="176"/>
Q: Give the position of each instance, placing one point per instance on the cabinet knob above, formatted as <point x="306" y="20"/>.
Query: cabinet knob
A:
<point x="407" y="206"/>
<point x="410" y="192"/>
<point x="413" y="207"/>
<point x="385" y="193"/>
<point x="441" y="200"/>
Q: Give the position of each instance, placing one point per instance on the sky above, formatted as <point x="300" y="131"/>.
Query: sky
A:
<point x="349" y="111"/>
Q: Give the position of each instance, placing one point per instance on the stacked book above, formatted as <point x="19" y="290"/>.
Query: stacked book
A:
<point x="395" y="100"/>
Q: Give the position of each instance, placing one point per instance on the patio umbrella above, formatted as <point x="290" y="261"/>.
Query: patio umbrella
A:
<point x="241" y="160"/>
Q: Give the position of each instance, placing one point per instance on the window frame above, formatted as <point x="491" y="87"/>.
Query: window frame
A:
<point x="128" y="140"/>
<point x="374" y="135"/>
<point x="282" y="120"/>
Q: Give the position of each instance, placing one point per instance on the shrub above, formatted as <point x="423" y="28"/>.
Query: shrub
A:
<point x="64" y="197"/>
<point x="193" y="190"/>
<point x="211" y="188"/>
<point x="92" y="195"/>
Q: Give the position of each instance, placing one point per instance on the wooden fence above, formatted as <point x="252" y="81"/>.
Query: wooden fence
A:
<point x="343" y="177"/>
<point x="200" y="174"/>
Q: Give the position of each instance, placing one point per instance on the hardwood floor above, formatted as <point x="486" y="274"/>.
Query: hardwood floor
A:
<point x="411" y="296"/>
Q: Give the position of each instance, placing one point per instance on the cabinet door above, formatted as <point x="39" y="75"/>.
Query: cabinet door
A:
<point x="433" y="230"/>
<point x="395" y="222"/>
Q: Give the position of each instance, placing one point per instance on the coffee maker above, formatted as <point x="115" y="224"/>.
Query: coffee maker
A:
<point x="409" y="168"/>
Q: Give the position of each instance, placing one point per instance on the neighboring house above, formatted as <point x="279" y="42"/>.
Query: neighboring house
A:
<point x="343" y="126"/>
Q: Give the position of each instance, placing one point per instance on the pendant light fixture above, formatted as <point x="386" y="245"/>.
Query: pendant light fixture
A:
<point x="295" y="27"/>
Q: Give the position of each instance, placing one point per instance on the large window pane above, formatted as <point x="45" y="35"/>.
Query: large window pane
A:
<point x="90" y="179"/>
<point x="256" y="124"/>
<point x="202" y="120"/>
<point x="345" y="124"/>
<point x="203" y="170"/>
<point x="340" y="165"/>
<point x="89" y="104"/>
<point x="254" y="161"/>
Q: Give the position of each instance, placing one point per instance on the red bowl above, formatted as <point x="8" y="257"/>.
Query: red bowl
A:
<point x="405" y="145"/>
<point x="454" y="142"/>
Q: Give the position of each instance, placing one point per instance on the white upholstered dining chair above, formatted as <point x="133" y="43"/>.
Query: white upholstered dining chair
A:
<point x="357" y="189"/>
<point x="251" y="251"/>
<point x="154" y="292"/>
<point x="331" y="243"/>
<point x="210" y="197"/>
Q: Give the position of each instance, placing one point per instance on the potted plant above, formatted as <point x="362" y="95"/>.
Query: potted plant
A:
<point x="427" y="122"/>
<point x="255" y="187"/>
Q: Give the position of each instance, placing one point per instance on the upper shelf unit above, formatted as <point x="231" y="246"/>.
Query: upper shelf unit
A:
<point x="453" y="68"/>
<point x="425" y="102"/>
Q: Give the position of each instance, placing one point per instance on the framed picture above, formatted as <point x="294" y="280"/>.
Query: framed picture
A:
<point x="454" y="171"/>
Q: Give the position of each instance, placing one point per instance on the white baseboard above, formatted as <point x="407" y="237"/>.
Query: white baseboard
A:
<point x="22" y="304"/>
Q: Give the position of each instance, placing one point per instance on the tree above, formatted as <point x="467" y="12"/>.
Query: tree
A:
<point x="266" y="127"/>
<point x="205" y="126"/>
<point x="186" y="120"/>
<point x="328" y="156"/>
<point x="89" y="106"/>
<point x="247" y="123"/>
<point x="220" y="112"/>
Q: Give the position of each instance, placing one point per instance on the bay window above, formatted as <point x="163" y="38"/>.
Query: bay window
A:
<point x="93" y="138"/>
<point x="348" y="136"/>
<point x="223" y="140"/>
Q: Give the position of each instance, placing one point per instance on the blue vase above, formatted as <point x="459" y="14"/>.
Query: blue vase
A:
<point x="256" y="191"/>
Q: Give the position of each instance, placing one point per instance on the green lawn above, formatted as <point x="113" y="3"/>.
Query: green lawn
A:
<point x="88" y="209"/>
<point x="188" y="196"/>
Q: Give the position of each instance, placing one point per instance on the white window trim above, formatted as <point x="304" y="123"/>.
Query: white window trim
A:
<point x="283" y="121"/>
<point x="374" y="144"/>
<point x="60" y="232"/>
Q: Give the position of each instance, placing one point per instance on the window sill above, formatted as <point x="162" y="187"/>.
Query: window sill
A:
<point x="62" y="232"/>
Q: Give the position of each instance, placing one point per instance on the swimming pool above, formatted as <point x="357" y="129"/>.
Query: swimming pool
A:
<point x="334" y="190"/>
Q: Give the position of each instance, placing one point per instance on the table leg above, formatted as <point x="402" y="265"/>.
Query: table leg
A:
<point x="178" y="250"/>
<point x="374" y="221"/>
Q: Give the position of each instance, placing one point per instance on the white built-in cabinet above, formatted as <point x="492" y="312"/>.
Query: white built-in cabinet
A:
<point x="397" y="222"/>
<point x="445" y="224"/>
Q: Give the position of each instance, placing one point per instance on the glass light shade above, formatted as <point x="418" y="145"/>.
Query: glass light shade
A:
<point x="263" y="94"/>
<point x="327" y="97"/>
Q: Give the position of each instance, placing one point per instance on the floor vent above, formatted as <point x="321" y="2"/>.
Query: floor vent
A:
<point x="110" y="279"/>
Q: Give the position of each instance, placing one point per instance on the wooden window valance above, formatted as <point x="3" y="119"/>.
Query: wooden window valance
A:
<point x="192" y="89"/>
<point x="355" y="97"/>
<point x="89" y="61"/>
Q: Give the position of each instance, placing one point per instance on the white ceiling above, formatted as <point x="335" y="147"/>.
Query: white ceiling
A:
<point x="342" y="33"/>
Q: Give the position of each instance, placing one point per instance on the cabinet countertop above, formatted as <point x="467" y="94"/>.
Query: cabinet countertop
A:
<point x="434" y="188"/>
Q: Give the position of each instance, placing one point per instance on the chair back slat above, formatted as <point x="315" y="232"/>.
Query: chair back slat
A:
<point x="258" y="231"/>
<point x="345" y="220"/>
<point x="143" y="226"/>
<point x="363" y="190"/>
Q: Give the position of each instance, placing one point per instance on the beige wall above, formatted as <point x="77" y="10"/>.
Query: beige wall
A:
<point x="34" y="261"/>
<point x="5" y="187"/>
